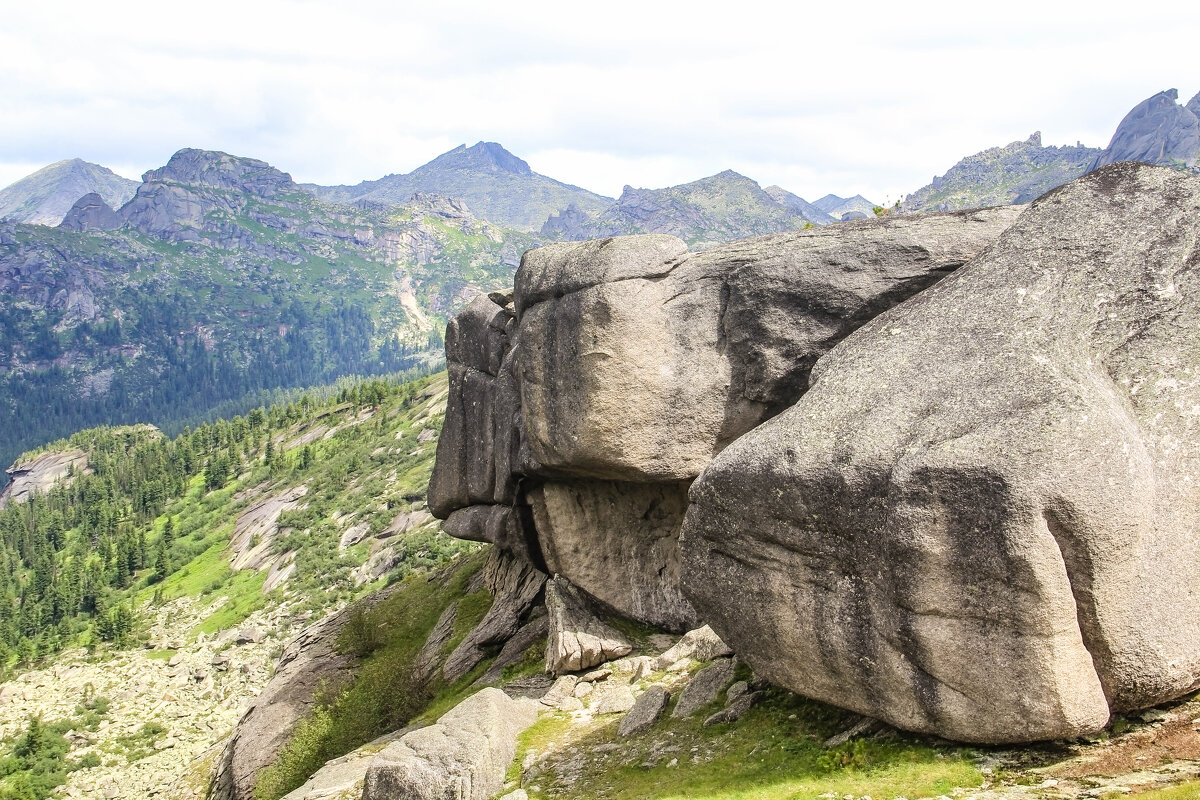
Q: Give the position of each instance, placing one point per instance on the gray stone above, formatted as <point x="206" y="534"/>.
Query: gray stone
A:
<point x="735" y="691"/>
<point x="701" y="644"/>
<point x="479" y="422"/>
<point x="515" y="584"/>
<point x="981" y="521"/>
<point x="704" y="687"/>
<point x="253" y="634"/>
<point x="563" y="688"/>
<point x="91" y="213"/>
<point x="613" y="698"/>
<point x="619" y="543"/>
<point x="464" y="755"/>
<point x="577" y="638"/>
<point x="735" y="709"/>
<point x="645" y="712"/>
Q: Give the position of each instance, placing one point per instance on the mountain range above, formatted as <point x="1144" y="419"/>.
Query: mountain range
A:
<point x="218" y="277"/>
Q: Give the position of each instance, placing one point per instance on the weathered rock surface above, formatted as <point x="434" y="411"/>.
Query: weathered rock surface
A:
<point x="581" y="407"/>
<point x="617" y="541"/>
<point x="577" y="638"/>
<point x="702" y="644"/>
<point x="464" y="755"/>
<point x="704" y="687"/>
<point x="1157" y="131"/>
<point x="646" y="711"/>
<point x="515" y="585"/>
<point x="643" y="367"/>
<point x="40" y="474"/>
<point x="981" y="521"/>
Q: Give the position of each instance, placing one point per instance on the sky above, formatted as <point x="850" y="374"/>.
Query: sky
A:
<point x="842" y="97"/>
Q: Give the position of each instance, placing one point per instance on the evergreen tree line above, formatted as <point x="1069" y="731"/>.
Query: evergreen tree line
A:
<point x="181" y="377"/>
<point x="67" y="557"/>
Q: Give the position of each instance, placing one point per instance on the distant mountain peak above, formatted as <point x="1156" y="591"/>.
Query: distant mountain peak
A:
<point x="496" y="185"/>
<point x="481" y="156"/>
<point x="45" y="197"/>
<point x="222" y="171"/>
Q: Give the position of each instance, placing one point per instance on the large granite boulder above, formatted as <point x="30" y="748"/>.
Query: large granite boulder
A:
<point x="639" y="362"/>
<point x="982" y="520"/>
<point x="582" y="406"/>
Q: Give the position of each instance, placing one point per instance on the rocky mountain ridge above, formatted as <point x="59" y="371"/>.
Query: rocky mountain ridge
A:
<point x="1015" y="174"/>
<point x="45" y="197"/>
<point x="222" y="271"/>
<point x="1157" y="131"/>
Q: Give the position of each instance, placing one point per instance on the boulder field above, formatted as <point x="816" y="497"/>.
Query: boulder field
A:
<point x="938" y="469"/>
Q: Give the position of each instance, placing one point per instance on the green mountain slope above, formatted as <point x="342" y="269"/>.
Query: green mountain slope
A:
<point x="224" y="280"/>
<point x="44" y="197"/>
<point x="494" y="184"/>
<point x="272" y="518"/>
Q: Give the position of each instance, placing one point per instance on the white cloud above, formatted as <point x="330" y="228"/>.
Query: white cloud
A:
<point x="868" y="97"/>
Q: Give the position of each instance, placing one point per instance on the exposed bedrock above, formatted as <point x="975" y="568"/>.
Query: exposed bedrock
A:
<point x="981" y="521"/>
<point x="582" y="406"/>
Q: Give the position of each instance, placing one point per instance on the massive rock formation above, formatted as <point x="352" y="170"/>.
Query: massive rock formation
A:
<point x="91" y="213"/>
<point x="464" y="755"/>
<point x="1157" y="131"/>
<point x="983" y="518"/>
<point x="581" y="407"/>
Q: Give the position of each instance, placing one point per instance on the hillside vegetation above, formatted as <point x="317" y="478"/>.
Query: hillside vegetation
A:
<point x="222" y="281"/>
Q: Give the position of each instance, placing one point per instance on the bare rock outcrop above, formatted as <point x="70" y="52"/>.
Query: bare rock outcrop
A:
<point x="583" y="405"/>
<point x="40" y="474"/>
<point x="982" y="520"/>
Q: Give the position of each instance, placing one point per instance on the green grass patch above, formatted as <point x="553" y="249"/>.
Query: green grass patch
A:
<point x="773" y="753"/>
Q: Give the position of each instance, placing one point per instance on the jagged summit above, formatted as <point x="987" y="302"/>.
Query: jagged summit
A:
<point x="480" y="156"/>
<point x="222" y="171"/>
<point x="1157" y="131"/>
<point x="45" y="197"/>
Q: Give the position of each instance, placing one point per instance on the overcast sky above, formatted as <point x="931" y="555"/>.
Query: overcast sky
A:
<point x="845" y="97"/>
